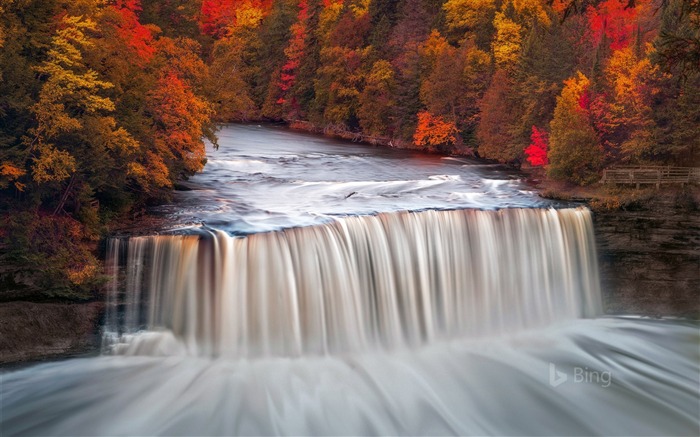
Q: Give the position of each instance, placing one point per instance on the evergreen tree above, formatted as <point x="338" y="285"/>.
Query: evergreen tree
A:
<point x="574" y="151"/>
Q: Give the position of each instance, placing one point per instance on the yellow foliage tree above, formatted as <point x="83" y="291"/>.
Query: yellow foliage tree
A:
<point x="508" y="42"/>
<point x="249" y="16"/>
<point x="468" y="14"/>
<point x="532" y="10"/>
<point x="70" y="88"/>
<point x="433" y="48"/>
<point x="339" y="82"/>
<point x="574" y="151"/>
<point x="376" y="99"/>
<point x="635" y="82"/>
<point x="360" y="7"/>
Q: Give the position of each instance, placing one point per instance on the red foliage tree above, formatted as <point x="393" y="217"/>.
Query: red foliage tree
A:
<point x="536" y="152"/>
<point x="215" y="15"/>
<point x="218" y="15"/>
<point x="616" y="20"/>
<point x="294" y="51"/>
<point x="135" y="35"/>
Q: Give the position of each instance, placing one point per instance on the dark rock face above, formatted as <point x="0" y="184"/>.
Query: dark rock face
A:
<point x="649" y="261"/>
<point x="650" y="257"/>
<point x="36" y="331"/>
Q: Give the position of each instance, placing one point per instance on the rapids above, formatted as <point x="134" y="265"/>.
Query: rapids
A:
<point x="270" y="178"/>
<point x="491" y="386"/>
<point x="319" y="288"/>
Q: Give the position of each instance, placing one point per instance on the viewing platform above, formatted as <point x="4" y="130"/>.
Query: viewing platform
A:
<point x="651" y="175"/>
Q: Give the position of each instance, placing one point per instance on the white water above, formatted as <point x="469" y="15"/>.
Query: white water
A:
<point x="265" y="179"/>
<point x="359" y="283"/>
<point x="496" y="386"/>
<point x="431" y="323"/>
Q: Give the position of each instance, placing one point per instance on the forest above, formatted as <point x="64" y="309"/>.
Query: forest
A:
<point x="106" y="105"/>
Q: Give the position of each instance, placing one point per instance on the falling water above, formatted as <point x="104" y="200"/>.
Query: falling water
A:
<point x="429" y="323"/>
<point x="385" y="281"/>
<point x="214" y="320"/>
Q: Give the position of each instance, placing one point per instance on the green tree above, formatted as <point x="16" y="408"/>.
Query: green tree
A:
<point x="574" y="151"/>
<point x="338" y="85"/>
<point x="496" y="134"/>
<point x="233" y="71"/>
<point x="455" y="84"/>
<point x="376" y="100"/>
<point x="679" y="42"/>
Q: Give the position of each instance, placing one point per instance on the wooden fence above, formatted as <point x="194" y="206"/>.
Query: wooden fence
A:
<point x="650" y="175"/>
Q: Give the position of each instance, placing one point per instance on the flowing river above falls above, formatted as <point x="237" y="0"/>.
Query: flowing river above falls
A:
<point x="270" y="178"/>
<point x="312" y="287"/>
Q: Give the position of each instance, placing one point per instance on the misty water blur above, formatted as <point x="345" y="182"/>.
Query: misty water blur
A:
<point x="448" y="321"/>
<point x="359" y="283"/>
<point x="490" y="386"/>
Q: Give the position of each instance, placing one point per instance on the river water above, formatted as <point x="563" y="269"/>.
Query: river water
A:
<point x="269" y="178"/>
<point x="313" y="287"/>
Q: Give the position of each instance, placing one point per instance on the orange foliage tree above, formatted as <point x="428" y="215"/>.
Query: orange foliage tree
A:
<point x="135" y="35"/>
<point x="181" y="118"/>
<point x="433" y="132"/>
<point x="217" y="16"/>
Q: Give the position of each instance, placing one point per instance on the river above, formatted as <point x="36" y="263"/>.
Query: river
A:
<point x="314" y="287"/>
<point x="269" y="178"/>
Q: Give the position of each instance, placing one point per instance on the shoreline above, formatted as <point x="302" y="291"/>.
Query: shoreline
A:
<point x="647" y="249"/>
<point x="359" y="137"/>
<point x="32" y="332"/>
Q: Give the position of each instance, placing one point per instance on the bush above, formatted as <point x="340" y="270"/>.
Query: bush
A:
<point x="58" y="252"/>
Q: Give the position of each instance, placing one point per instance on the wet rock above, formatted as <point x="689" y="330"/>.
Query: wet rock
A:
<point x="650" y="257"/>
<point x="36" y="331"/>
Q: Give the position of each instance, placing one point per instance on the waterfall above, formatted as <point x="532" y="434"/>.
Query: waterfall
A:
<point x="357" y="283"/>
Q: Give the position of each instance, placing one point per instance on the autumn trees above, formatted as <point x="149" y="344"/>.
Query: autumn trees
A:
<point x="433" y="132"/>
<point x="98" y="112"/>
<point x="466" y="76"/>
<point x="377" y="99"/>
<point x="104" y="104"/>
<point x="574" y="150"/>
<point x="69" y="88"/>
<point x="495" y="72"/>
<point x="491" y="71"/>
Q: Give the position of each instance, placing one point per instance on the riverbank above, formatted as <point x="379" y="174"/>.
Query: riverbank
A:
<point x="341" y="133"/>
<point x="647" y="240"/>
<point x="31" y="331"/>
<point x="649" y="254"/>
<point x="648" y="245"/>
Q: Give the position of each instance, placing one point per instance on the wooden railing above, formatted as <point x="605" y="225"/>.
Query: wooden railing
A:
<point x="650" y="175"/>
